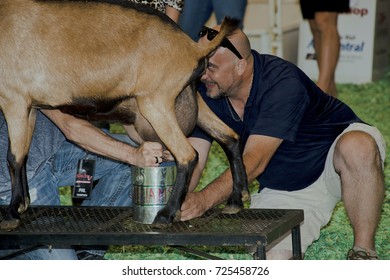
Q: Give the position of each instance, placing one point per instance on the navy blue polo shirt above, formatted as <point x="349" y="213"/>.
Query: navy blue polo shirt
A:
<point x="284" y="103"/>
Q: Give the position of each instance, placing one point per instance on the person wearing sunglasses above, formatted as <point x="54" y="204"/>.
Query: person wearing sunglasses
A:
<point x="211" y="33"/>
<point x="306" y="149"/>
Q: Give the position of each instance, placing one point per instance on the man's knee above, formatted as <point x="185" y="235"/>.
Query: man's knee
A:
<point x="356" y="148"/>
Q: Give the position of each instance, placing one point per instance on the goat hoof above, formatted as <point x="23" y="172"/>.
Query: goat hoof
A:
<point x="177" y="216"/>
<point x="160" y="226"/>
<point x="23" y="206"/>
<point x="9" y="225"/>
<point x="161" y="222"/>
<point x="164" y="224"/>
<point x="245" y="196"/>
<point x="231" y="209"/>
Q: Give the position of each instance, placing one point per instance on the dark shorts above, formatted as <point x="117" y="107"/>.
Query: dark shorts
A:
<point x="310" y="7"/>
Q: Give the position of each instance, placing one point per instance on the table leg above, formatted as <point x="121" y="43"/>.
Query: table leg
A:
<point x="296" y="242"/>
<point x="260" y="252"/>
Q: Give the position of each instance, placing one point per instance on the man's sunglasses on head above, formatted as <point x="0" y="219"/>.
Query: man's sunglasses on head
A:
<point x="211" y="33"/>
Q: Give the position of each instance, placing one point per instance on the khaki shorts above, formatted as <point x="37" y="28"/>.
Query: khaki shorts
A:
<point x="318" y="200"/>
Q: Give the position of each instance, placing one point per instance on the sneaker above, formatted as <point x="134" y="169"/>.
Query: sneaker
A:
<point x="359" y="254"/>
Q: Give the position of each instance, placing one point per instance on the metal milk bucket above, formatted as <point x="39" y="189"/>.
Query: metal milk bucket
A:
<point x="152" y="187"/>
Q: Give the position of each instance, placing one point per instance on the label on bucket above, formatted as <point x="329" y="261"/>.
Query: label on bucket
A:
<point x="154" y="176"/>
<point x="152" y="196"/>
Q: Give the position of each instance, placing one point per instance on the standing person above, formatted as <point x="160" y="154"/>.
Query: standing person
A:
<point x="196" y="13"/>
<point x="54" y="164"/>
<point x="322" y="16"/>
<point x="307" y="149"/>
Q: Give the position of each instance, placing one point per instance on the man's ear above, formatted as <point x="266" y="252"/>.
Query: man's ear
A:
<point x="241" y="66"/>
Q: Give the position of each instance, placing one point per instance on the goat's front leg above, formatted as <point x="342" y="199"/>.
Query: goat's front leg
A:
<point x="161" y="115"/>
<point x="230" y="143"/>
<point x="20" y="129"/>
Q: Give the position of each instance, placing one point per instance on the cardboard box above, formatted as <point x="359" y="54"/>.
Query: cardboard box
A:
<point x="364" y="35"/>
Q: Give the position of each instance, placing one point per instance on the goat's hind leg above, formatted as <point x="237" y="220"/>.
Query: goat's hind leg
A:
<point x="230" y="143"/>
<point x="20" y="129"/>
<point x="168" y="130"/>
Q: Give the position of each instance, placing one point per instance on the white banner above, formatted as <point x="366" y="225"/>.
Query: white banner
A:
<point x="364" y="37"/>
<point x="197" y="270"/>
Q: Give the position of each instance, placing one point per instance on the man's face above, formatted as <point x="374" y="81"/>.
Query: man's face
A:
<point x="220" y="74"/>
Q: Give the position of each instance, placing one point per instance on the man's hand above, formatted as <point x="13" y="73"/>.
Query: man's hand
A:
<point x="193" y="206"/>
<point x="149" y="154"/>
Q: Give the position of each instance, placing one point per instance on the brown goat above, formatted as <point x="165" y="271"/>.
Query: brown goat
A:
<point x="106" y="58"/>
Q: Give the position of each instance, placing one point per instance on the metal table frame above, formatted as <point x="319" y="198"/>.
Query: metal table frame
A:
<point x="70" y="225"/>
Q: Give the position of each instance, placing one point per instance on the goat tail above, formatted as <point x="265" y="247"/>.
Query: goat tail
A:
<point x="228" y="26"/>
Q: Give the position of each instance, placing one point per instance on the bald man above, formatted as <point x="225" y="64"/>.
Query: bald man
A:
<point x="307" y="149"/>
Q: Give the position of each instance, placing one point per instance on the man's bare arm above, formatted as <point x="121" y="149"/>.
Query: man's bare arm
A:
<point x="89" y="137"/>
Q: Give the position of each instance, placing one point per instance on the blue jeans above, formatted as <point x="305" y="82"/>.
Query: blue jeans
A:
<point x="112" y="189"/>
<point x="195" y="13"/>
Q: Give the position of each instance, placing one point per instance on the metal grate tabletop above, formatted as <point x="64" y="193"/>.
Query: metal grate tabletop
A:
<point x="114" y="226"/>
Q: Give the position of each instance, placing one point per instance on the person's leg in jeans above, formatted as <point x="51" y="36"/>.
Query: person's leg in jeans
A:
<point x="232" y="8"/>
<point x="44" y="253"/>
<point x="44" y="190"/>
<point x="194" y="15"/>
<point x="112" y="189"/>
